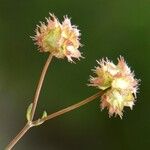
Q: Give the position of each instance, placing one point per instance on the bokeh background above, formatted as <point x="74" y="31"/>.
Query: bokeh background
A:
<point x="109" y="28"/>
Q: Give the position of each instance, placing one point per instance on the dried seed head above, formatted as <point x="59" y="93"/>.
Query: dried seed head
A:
<point x="120" y="82"/>
<point x="61" y="40"/>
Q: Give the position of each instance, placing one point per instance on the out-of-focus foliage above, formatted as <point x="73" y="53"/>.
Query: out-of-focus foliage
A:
<point x="109" y="28"/>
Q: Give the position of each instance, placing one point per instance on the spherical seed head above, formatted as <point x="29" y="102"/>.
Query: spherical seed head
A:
<point x="120" y="82"/>
<point x="115" y="101"/>
<point x="105" y="73"/>
<point x="61" y="40"/>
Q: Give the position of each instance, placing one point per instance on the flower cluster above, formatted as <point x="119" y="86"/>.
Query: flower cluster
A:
<point x="119" y="83"/>
<point x="61" y="40"/>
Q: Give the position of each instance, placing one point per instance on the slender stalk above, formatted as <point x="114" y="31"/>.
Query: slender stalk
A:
<point x="53" y="115"/>
<point x="35" y="101"/>
<point x="18" y="137"/>
<point x="40" y="83"/>
<point x="68" y="109"/>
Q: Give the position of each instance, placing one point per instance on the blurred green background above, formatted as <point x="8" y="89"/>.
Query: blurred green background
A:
<point x="109" y="28"/>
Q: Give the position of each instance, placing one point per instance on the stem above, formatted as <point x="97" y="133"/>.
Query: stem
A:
<point x="40" y="83"/>
<point x="18" y="137"/>
<point x="53" y="115"/>
<point x="35" y="100"/>
<point x="70" y="108"/>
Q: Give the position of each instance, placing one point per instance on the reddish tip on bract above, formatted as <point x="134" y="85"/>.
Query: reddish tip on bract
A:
<point x="120" y="82"/>
<point x="60" y="39"/>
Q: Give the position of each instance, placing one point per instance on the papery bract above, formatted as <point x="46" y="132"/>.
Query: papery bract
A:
<point x="60" y="39"/>
<point x="119" y="83"/>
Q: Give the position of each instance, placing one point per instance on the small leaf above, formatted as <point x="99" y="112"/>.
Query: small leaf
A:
<point x="38" y="122"/>
<point x="44" y="114"/>
<point x="28" y="114"/>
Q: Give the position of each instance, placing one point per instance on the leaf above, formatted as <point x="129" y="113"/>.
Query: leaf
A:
<point x="38" y="122"/>
<point x="44" y="114"/>
<point x="28" y="114"/>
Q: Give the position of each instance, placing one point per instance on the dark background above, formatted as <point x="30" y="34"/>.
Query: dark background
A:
<point x="109" y="28"/>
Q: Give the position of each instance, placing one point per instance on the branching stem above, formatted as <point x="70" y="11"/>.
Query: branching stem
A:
<point x="37" y="122"/>
<point x="70" y="108"/>
<point x="53" y="115"/>
<point x="35" y="101"/>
